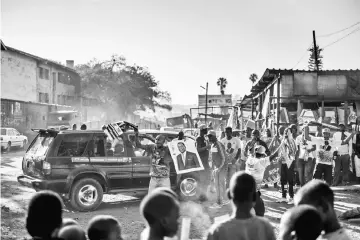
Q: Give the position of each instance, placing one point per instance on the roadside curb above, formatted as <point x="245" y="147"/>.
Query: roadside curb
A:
<point x="346" y="188"/>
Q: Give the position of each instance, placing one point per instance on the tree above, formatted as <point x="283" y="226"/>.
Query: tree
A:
<point x="121" y="88"/>
<point x="222" y="83"/>
<point x="253" y="78"/>
<point x="311" y="62"/>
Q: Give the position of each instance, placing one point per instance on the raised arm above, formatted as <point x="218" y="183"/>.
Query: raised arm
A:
<point x="347" y="140"/>
<point x="274" y="154"/>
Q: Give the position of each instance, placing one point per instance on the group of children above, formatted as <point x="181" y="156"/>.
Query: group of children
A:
<point x="313" y="216"/>
<point x="44" y="221"/>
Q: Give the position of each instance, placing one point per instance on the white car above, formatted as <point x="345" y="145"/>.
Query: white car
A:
<point x="10" y="137"/>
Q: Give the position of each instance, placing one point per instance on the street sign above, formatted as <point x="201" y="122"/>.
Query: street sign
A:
<point x="215" y="100"/>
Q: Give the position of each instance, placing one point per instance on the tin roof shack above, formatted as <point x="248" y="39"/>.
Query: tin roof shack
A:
<point x="280" y="96"/>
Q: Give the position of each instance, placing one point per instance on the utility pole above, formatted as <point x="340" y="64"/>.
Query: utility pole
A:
<point x="315" y="52"/>
<point x="206" y="102"/>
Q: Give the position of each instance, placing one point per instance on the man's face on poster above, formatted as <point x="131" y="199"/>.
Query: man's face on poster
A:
<point x="181" y="147"/>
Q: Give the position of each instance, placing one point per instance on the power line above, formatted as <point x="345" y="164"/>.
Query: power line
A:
<point x="302" y="56"/>
<point x="354" y="31"/>
<point x="330" y="34"/>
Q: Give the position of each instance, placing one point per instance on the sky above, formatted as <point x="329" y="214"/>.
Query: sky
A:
<point x="187" y="43"/>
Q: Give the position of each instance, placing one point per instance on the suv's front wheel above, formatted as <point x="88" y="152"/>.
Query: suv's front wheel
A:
<point x="86" y="195"/>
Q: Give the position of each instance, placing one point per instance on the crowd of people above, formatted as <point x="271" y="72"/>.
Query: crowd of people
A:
<point x="312" y="217"/>
<point x="235" y="169"/>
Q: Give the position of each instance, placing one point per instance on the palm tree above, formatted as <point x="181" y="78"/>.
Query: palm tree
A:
<point x="253" y="78"/>
<point x="222" y="82"/>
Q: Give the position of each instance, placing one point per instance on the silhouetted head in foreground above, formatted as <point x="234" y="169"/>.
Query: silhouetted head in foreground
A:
<point x="72" y="232"/>
<point x="302" y="222"/>
<point x="242" y="191"/>
<point x="161" y="211"/>
<point x="44" y="214"/>
<point x="104" y="227"/>
<point x="319" y="195"/>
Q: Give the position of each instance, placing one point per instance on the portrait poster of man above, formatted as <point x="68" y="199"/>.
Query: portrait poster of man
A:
<point x="185" y="156"/>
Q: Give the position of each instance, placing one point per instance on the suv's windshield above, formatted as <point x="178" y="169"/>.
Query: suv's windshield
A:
<point x="41" y="144"/>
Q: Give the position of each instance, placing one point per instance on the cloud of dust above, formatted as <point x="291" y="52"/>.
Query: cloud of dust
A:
<point x="200" y="220"/>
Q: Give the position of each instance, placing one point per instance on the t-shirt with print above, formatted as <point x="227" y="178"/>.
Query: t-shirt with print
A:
<point x="256" y="168"/>
<point x="324" y="154"/>
<point x="254" y="228"/>
<point x="340" y="234"/>
<point x="231" y="148"/>
<point x="304" y="145"/>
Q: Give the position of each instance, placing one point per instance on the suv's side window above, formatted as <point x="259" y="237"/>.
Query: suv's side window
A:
<point x="118" y="148"/>
<point x="139" y="152"/>
<point x="99" y="146"/>
<point x="73" y="145"/>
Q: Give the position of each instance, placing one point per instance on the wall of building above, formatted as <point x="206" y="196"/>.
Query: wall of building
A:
<point x="18" y="77"/>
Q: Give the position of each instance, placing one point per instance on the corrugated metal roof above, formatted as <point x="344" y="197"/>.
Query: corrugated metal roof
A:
<point x="270" y="74"/>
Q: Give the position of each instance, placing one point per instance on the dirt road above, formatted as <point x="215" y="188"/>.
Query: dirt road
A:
<point x="14" y="200"/>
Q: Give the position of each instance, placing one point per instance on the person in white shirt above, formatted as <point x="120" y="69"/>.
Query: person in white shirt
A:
<point x="305" y="158"/>
<point x="232" y="152"/>
<point x="324" y="154"/>
<point x="255" y="166"/>
<point x="342" y="157"/>
<point x="319" y="195"/>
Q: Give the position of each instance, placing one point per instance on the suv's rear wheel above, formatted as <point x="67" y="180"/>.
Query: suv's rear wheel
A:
<point x="86" y="195"/>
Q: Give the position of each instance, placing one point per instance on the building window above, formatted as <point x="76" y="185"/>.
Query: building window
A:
<point x="43" y="97"/>
<point x="44" y="73"/>
<point x="64" y="78"/>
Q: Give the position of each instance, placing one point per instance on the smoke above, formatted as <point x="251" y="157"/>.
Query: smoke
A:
<point x="200" y="220"/>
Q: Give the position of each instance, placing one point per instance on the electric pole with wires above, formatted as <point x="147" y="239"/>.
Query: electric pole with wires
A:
<point x="315" y="52"/>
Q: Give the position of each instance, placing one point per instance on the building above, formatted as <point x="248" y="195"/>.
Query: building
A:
<point x="281" y="95"/>
<point x="32" y="86"/>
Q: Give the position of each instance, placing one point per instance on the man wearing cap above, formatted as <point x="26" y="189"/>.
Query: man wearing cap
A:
<point x="324" y="154"/>
<point x="249" y="148"/>
<point x="342" y="156"/>
<point x="203" y="146"/>
<point x="218" y="158"/>
<point x="232" y="152"/>
<point x="160" y="161"/>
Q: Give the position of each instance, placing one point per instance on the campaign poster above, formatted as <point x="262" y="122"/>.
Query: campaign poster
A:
<point x="185" y="156"/>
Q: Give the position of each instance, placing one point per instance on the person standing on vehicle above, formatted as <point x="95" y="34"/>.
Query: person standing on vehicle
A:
<point x="218" y="158"/>
<point x="203" y="146"/>
<point x="232" y="151"/>
<point x="160" y="162"/>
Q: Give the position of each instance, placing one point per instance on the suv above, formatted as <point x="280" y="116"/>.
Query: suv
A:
<point x="83" y="165"/>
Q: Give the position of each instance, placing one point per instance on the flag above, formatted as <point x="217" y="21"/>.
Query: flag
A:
<point x="114" y="130"/>
<point x="233" y="118"/>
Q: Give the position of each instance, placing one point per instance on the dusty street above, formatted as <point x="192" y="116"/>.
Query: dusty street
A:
<point x="14" y="200"/>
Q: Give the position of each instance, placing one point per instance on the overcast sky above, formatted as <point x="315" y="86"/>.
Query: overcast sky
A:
<point x="186" y="43"/>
